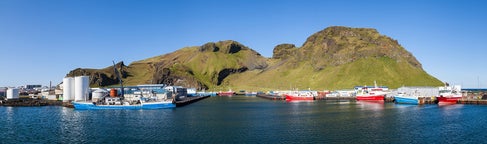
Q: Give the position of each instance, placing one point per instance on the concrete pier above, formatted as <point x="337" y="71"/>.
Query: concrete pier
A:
<point x="189" y="100"/>
<point x="472" y="101"/>
<point x="30" y="102"/>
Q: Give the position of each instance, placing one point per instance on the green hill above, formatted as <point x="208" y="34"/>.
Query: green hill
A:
<point x="334" y="58"/>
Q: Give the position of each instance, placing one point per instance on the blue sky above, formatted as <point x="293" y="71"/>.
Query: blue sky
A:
<point x="42" y="40"/>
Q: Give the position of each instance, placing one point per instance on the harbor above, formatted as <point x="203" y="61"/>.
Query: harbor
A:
<point x="76" y="93"/>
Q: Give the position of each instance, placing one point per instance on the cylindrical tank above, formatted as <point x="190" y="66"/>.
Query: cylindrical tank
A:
<point x="68" y="89"/>
<point x="113" y="92"/>
<point x="81" y="88"/>
<point x="12" y="93"/>
<point x="98" y="94"/>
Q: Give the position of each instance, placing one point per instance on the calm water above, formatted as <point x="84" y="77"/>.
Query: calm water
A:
<point x="249" y="120"/>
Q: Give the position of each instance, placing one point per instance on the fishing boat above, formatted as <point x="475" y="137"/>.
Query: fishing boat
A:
<point x="371" y="93"/>
<point x="301" y="95"/>
<point x="250" y="93"/>
<point x="414" y="95"/>
<point x="405" y="99"/>
<point x="227" y="93"/>
<point x="449" y="94"/>
<point x="117" y="103"/>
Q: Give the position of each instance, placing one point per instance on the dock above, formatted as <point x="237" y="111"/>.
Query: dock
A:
<point x="189" y="100"/>
<point x="30" y="102"/>
<point x="271" y="97"/>
<point x="472" y="101"/>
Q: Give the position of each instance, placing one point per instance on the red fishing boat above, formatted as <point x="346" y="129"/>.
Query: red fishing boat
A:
<point x="301" y="95"/>
<point x="227" y="93"/>
<point x="371" y="93"/>
<point x="449" y="94"/>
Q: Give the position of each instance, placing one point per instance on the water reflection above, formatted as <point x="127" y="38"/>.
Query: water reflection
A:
<point x="299" y="101"/>
<point x="10" y="122"/>
<point x="371" y="105"/>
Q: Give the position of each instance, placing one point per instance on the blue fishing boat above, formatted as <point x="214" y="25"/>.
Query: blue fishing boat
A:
<point x="406" y="99"/>
<point x="128" y="106"/>
<point x="414" y="95"/>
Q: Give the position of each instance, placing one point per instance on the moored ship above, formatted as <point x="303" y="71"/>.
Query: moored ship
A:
<point x="414" y="95"/>
<point x="227" y="93"/>
<point x="371" y="93"/>
<point x="449" y="94"/>
<point x="301" y="95"/>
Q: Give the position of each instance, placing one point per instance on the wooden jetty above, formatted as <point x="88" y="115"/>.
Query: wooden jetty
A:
<point x="271" y="97"/>
<point x="189" y="100"/>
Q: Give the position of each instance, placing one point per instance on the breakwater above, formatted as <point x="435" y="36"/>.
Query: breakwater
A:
<point x="30" y="102"/>
<point x="189" y="100"/>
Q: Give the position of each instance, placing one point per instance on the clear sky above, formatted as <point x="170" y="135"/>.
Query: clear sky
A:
<point x="42" y="40"/>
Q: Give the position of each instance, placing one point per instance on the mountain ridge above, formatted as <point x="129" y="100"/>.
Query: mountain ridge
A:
<point x="334" y="58"/>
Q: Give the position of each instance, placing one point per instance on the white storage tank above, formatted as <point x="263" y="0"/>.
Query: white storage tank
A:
<point x="98" y="94"/>
<point x="68" y="89"/>
<point x="12" y="93"/>
<point x="81" y="88"/>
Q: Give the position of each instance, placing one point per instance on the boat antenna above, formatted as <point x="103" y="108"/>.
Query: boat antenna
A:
<point x="119" y="78"/>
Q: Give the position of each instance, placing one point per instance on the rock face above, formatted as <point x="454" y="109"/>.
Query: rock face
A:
<point x="284" y="51"/>
<point x="336" y="57"/>
<point x="341" y="45"/>
<point x="228" y="47"/>
<point x="103" y="77"/>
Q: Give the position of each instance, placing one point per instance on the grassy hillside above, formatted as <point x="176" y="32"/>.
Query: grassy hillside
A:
<point x="385" y="71"/>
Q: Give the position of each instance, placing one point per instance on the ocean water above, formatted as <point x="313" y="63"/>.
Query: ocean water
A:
<point x="241" y="119"/>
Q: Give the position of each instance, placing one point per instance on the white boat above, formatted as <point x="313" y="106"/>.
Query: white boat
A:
<point x="115" y="103"/>
<point x="374" y="93"/>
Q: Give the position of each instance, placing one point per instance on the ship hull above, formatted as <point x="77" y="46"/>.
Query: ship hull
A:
<point x="371" y="98"/>
<point x="448" y="100"/>
<point x="406" y="100"/>
<point x="226" y="93"/>
<point x="151" y="105"/>
<point x="292" y="98"/>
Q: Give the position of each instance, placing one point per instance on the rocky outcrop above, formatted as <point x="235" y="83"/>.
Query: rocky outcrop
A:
<point x="228" y="47"/>
<point x="226" y="72"/>
<point x="211" y="46"/>
<point x="102" y="77"/>
<point x="341" y="45"/>
<point x="284" y="51"/>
